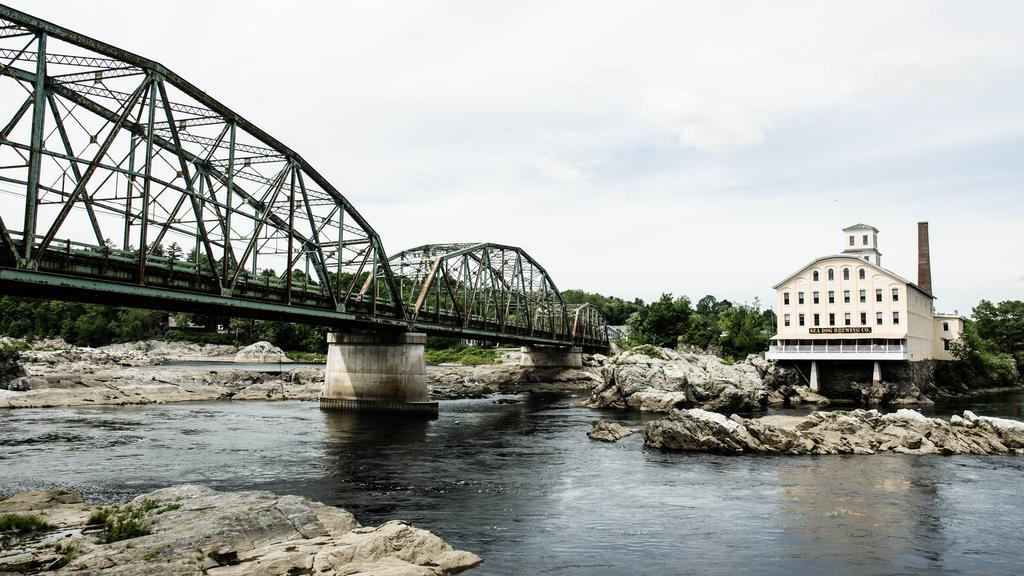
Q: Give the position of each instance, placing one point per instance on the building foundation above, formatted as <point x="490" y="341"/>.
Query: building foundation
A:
<point x="381" y="373"/>
<point x="551" y="357"/>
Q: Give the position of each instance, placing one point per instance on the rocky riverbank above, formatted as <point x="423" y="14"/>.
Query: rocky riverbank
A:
<point x="838" y="432"/>
<point x="56" y="374"/>
<point x="192" y="529"/>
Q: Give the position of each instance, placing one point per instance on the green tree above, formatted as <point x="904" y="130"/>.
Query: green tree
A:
<point x="616" y="310"/>
<point x="1001" y="324"/>
<point x="660" y="323"/>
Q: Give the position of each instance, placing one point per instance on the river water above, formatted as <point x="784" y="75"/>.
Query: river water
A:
<point x="522" y="486"/>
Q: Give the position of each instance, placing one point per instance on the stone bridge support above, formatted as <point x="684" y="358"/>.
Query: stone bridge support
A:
<point x="551" y="357"/>
<point x="377" y="373"/>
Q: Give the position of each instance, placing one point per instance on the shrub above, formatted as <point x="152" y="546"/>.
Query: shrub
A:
<point x="648" y="350"/>
<point x="23" y="523"/>
<point x="468" y="355"/>
<point x="125" y="523"/>
<point x="10" y="365"/>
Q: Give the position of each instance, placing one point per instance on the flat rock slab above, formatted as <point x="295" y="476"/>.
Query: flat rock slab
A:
<point x="191" y="529"/>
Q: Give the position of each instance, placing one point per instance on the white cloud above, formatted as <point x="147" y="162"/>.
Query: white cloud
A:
<point x="703" y="126"/>
<point x="558" y="170"/>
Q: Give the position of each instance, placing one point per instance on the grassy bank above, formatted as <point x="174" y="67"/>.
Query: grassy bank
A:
<point x="468" y="355"/>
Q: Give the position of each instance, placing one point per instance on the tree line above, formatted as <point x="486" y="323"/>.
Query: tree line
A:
<point x="991" y="349"/>
<point x="731" y="330"/>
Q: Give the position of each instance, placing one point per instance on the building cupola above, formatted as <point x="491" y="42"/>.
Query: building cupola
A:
<point x="861" y="240"/>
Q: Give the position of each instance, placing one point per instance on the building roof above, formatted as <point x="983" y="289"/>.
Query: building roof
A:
<point x="859" y="261"/>
<point x="861" y="227"/>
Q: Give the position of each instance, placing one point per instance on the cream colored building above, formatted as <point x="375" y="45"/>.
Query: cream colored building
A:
<point x="848" y="307"/>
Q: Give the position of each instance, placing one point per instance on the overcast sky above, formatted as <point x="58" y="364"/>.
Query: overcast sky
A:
<point x="635" y="148"/>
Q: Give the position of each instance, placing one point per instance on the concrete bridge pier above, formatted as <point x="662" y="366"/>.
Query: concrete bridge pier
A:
<point x="551" y="357"/>
<point x="376" y="373"/>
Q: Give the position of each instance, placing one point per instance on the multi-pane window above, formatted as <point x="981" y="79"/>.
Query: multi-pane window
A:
<point x="851" y="240"/>
<point x="861" y="274"/>
<point x="801" y="319"/>
<point x="865" y="239"/>
<point x="945" y="343"/>
<point x="814" y="275"/>
<point x="786" y="319"/>
<point x="895" y="318"/>
<point x="846" y="319"/>
<point x="863" y="318"/>
<point x="814" y="296"/>
<point x="878" y="295"/>
<point x="799" y="297"/>
<point x="878" y="318"/>
<point x="831" y="319"/>
<point x="846" y="273"/>
<point x="831" y="296"/>
<point x="831" y="274"/>
<point x="863" y="296"/>
<point x="846" y="296"/>
<point x="817" y="319"/>
<point x="895" y="294"/>
<point x="945" y="326"/>
<point x="785" y="298"/>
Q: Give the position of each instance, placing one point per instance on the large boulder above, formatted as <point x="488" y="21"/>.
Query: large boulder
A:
<point x="658" y="380"/>
<point x="261" y="351"/>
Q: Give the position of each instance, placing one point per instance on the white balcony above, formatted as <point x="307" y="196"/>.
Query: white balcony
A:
<point x="837" y="350"/>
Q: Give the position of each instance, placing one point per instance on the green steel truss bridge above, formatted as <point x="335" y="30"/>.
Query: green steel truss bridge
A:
<point x="122" y="183"/>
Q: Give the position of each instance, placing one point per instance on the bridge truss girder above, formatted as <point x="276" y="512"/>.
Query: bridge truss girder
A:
<point x="490" y="285"/>
<point x="137" y="188"/>
<point x="132" y="173"/>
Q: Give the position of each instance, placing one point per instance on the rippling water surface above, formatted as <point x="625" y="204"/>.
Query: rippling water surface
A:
<point x="522" y="486"/>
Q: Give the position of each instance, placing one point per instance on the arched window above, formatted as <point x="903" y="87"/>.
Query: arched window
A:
<point x="861" y="273"/>
<point x="846" y="273"/>
<point x="814" y="275"/>
<point x="831" y="274"/>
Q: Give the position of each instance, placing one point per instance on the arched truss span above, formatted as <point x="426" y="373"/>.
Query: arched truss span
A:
<point x="491" y="287"/>
<point x="130" y="173"/>
<point x="136" y="188"/>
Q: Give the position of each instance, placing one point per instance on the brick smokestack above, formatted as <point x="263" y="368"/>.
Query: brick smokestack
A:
<point x="924" y="258"/>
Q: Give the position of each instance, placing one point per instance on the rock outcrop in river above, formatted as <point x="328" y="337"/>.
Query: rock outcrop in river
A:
<point x="838" y="432"/>
<point x="659" y="379"/>
<point x="193" y="529"/>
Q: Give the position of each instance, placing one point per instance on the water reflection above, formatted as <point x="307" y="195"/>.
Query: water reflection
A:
<point x="862" y="514"/>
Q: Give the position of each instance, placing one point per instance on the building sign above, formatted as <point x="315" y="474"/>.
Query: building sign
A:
<point x="841" y="330"/>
